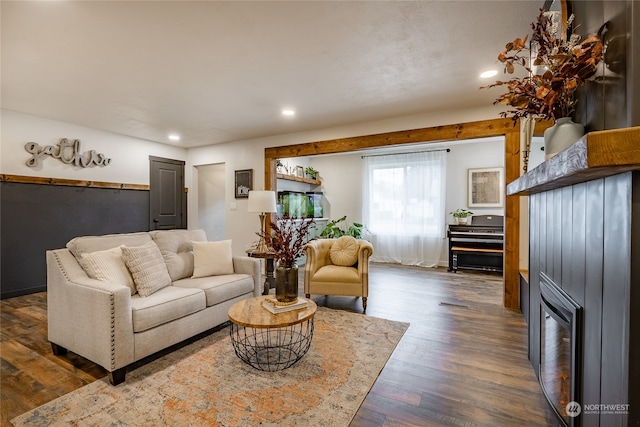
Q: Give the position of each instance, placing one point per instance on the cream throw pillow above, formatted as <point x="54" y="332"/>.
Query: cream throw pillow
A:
<point x="108" y="266"/>
<point x="147" y="268"/>
<point x="344" y="251"/>
<point x="212" y="258"/>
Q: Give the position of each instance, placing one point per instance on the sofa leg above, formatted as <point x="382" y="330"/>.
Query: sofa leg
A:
<point x="117" y="377"/>
<point x="58" y="350"/>
<point x="364" y="304"/>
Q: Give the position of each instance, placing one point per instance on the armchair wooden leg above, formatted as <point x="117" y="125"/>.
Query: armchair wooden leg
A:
<point x="307" y="295"/>
<point x="364" y="303"/>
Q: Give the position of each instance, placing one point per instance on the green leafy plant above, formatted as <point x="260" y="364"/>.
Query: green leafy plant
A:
<point x="461" y="213"/>
<point x="335" y="229"/>
<point x="311" y="172"/>
<point x="286" y="239"/>
<point x="280" y="167"/>
<point x="566" y="64"/>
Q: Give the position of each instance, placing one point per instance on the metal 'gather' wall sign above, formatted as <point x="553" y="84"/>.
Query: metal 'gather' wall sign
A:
<point x="67" y="152"/>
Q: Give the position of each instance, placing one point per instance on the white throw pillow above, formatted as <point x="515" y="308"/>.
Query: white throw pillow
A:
<point x="344" y="251"/>
<point x="147" y="268"/>
<point x="108" y="266"/>
<point x="212" y="258"/>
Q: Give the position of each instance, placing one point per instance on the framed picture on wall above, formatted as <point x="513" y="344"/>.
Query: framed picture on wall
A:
<point x="486" y="187"/>
<point x="243" y="183"/>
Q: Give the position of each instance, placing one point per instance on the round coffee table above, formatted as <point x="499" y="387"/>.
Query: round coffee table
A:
<point x="267" y="341"/>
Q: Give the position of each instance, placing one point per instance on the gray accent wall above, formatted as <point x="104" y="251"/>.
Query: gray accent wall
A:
<point x="37" y="217"/>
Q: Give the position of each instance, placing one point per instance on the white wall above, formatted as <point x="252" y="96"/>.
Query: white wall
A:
<point x="341" y="177"/>
<point x="129" y="156"/>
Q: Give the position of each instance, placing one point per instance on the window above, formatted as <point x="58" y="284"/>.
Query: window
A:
<point x="404" y="206"/>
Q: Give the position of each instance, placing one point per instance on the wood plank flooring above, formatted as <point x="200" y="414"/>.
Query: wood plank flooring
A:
<point x="462" y="362"/>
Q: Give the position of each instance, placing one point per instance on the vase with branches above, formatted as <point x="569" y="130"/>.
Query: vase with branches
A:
<point x="286" y="240"/>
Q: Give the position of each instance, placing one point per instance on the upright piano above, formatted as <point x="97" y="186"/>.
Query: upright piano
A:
<point x="478" y="245"/>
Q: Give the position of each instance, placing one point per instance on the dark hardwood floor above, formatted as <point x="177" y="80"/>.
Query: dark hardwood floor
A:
<point x="463" y="360"/>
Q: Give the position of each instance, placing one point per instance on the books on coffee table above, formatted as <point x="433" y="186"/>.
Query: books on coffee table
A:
<point x="275" y="309"/>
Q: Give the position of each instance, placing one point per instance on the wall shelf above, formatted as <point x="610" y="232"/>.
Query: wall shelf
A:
<point x="298" y="179"/>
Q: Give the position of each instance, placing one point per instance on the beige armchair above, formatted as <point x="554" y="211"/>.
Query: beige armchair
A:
<point x="323" y="277"/>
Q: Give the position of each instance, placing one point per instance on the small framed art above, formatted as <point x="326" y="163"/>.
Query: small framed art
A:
<point x="243" y="183"/>
<point x="486" y="187"/>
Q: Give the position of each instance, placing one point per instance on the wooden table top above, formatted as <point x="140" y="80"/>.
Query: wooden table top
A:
<point x="250" y="313"/>
<point x="255" y="254"/>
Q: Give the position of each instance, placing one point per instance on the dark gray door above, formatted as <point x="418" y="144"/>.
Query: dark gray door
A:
<point x="167" y="197"/>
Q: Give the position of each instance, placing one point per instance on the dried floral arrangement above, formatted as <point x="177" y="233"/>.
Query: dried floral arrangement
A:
<point x="287" y="238"/>
<point x="567" y="64"/>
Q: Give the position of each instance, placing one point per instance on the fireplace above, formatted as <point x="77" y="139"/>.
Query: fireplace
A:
<point x="560" y="350"/>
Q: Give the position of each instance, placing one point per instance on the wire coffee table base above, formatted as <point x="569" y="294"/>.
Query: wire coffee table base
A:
<point x="272" y="349"/>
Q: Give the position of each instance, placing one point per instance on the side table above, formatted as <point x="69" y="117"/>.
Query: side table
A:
<point x="270" y="279"/>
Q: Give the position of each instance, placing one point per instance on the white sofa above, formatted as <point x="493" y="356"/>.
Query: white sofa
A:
<point x="106" y="321"/>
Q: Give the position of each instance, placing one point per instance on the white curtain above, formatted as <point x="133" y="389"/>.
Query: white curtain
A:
<point x="404" y="206"/>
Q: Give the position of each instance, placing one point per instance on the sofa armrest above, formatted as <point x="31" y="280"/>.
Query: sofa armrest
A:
<point x="89" y="317"/>
<point x="250" y="266"/>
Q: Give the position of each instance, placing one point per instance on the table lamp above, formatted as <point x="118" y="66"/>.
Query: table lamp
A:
<point x="263" y="202"/>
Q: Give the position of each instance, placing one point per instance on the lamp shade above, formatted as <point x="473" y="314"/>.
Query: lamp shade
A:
<point x="262" y="201"/>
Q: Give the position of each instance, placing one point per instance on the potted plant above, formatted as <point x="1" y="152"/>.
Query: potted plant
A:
<point x="556" y="66"/>
<point x="334" y="230"/>
<point x="286" y="240"/>
<point x="310" y="172"/>
<point x="461" y="216"/>
<point x="280" y="168"/>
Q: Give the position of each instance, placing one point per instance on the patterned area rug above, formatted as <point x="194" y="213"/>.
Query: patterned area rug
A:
<point x="205" y="384"/>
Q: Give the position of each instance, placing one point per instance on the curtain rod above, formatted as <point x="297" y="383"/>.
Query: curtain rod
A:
<point x="407" y="152"/>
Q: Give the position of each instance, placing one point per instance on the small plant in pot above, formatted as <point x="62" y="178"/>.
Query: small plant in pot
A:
<point x="286" y="239"/>
<point x="281" y="168"/>
<point x="311" y="173"/>
<point x="461" y="216"/>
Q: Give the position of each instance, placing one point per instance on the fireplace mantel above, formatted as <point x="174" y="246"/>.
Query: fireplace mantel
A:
<point x="595" y="155"/>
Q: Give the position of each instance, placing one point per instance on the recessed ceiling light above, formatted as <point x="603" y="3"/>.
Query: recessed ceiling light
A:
<point x="488" y="73"/>
<point x="288" y="112"/>
<point x="174" y="137"/>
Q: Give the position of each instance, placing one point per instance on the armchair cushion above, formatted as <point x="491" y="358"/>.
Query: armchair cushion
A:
<point x="108" y="266"/>
<point x="344" y="251"/>
<point x="337" y="273"/>
<point x="212" y="258"/>
<point x="147" y="268"/>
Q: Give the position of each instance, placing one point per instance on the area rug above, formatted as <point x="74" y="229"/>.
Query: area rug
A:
<point x="205" y="384"/>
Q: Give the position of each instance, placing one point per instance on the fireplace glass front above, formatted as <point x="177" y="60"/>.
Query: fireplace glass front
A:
<point x="560" y="337"/>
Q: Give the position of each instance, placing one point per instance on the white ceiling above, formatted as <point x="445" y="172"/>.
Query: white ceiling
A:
<point x="216" y="71"/>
